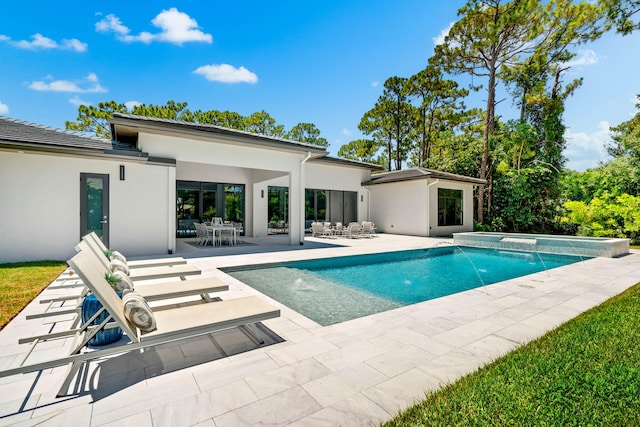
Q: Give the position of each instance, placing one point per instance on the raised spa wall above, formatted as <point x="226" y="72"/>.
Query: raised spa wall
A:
<point x="566" y="245"/>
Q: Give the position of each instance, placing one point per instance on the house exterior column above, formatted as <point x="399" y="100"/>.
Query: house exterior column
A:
<point x="296" y="205"/>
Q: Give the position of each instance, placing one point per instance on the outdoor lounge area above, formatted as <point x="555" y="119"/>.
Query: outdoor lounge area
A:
<point x="359" y="372"/>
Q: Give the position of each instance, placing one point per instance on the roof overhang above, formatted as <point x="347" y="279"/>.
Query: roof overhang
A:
<point x="350" y="163"/>
<point x="125" y="155"/>
<point x="129" y="126"/>
<point x="420" y="173"/>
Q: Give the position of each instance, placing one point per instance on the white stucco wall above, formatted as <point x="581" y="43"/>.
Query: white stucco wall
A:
<point x="411" y="207"/>
<point x="326" y="176"/>
<point x="400" y="207"/>
<point x="40" y="198"/>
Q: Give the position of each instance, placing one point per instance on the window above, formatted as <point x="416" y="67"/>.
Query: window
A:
<point x="449" y="207"/>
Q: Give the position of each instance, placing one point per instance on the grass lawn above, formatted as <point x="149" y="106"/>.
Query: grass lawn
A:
<point x="21" y="282"/>
<point x="584" y="373"/>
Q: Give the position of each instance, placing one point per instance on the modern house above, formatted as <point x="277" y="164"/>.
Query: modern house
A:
<point x="143" y="189"/>
<point x="440" y="203"/>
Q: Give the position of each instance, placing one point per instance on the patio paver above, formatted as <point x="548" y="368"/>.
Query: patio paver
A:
<point x="360" y="372"/>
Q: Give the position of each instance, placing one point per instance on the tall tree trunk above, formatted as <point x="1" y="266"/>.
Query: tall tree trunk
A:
<point x="390" y="151"/>
<point x="489" y="130"/>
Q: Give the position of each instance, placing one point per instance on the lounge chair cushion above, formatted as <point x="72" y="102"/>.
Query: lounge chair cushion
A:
<point x="117" y="265"/>
<point x="138" y="312"/>
<point x="118" y="255"/>
<point x="124" y="282"/>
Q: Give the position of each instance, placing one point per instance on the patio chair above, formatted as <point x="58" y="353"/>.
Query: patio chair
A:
<point x="367" y="229"/>
<point x="338" y="229"/>
<point x="172" y="324"/>
<point x="198" y="227"/>
<point x="316" y="229"/>
<point x="207" y="235"/>
<point x="227" y="234"/>
<point x="319" y="229"/>
<point x="353" y="230"/>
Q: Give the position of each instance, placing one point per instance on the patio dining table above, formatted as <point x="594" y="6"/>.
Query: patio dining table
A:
<point x="216" y="229"/>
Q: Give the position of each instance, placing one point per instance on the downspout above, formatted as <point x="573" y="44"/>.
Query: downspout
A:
<point x="429" y="206"/>
<point x="302" y="190"/>
<point x="368" y="202"/>
<point x="171" y="218"/>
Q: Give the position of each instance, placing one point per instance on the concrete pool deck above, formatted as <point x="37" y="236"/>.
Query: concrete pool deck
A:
<point x="360" y="372"/>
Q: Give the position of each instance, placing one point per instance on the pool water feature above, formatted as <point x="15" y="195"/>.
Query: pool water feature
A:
<point x="333" y="290"/>
<point x="568" y="245"/>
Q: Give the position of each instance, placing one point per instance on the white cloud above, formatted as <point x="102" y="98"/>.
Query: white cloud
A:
<point x="585" y="150"/>
<point x="112" y="23"/>
<point x="131" y="104"/>
<point x="38" y="41"/>
<point x="439" y="39"/>
<point x="74" y="44"/>
<point x="78" y="102"/>
<point x="346" y="132"/>
<point x="4" y="108"/>
<point x="176" y="27"/>
<point x="226" y="73"/>
<point x="69" y="86"/>
<point x="584" y="58"/>
<point x="375" y="83"/>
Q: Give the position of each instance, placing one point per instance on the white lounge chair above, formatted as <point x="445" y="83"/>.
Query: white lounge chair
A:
<point x="151" y="292"/>
<point x="147" y="273"/>
<point x="172" y="324"/>
<point x="156" y="262"/>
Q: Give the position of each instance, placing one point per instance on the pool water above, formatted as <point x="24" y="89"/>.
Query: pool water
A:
<point x="333" y="290"/>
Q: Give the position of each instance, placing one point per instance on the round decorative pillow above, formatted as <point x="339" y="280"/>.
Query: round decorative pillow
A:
<point x="138" y="312"/>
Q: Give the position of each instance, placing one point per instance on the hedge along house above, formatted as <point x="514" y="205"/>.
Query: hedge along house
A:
<point x="422" y="202"/>
<point x="142" y="189"/>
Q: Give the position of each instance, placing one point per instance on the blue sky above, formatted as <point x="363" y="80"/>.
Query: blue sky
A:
<point x="319" y="62"/>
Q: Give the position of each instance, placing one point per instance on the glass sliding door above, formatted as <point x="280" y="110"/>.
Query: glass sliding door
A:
<point x="209" y="208"/>
<point x="201" y="201"/>
<point x="350" y="207"/>
<point x="188" y="208"/>
<point x="330" y="205"/>
<point x="94" y="205"/>
<point x="233" y="203"/>
<point x="278" y="210"/>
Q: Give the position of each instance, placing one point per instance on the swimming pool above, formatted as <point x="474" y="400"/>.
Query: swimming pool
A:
<point x="333" y="290"/>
